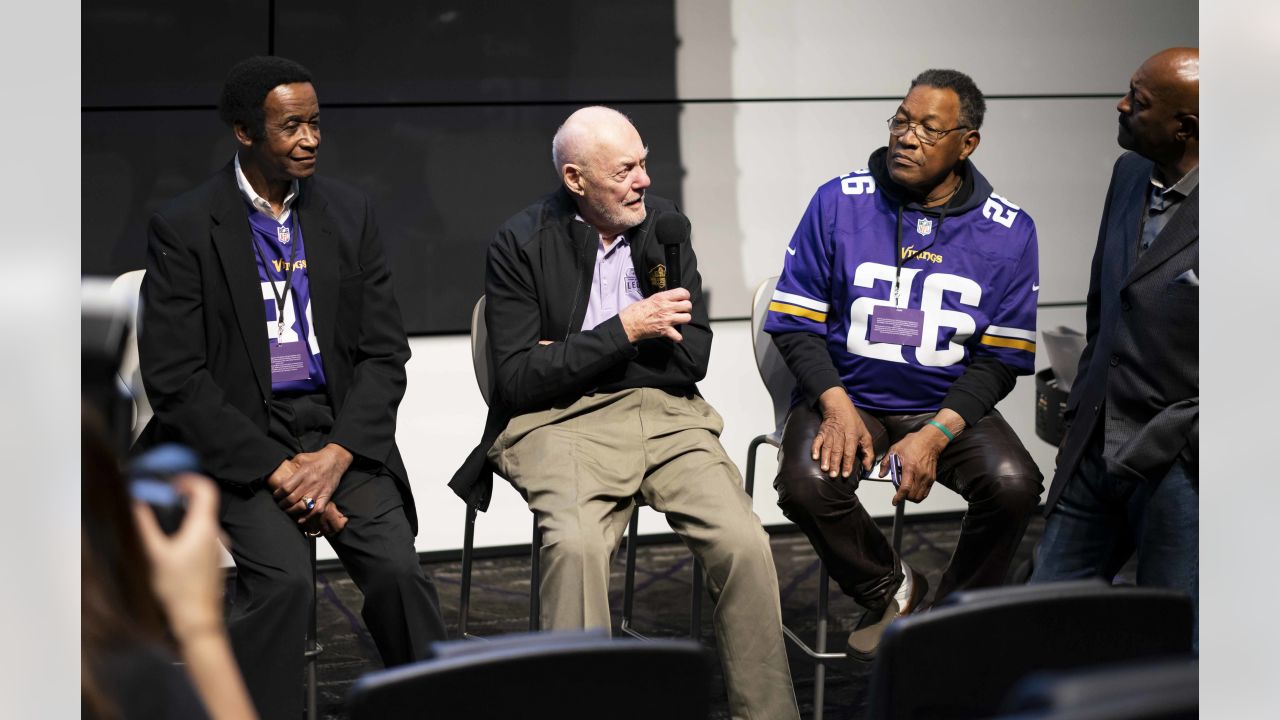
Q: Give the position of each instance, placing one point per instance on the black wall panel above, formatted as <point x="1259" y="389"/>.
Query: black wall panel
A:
<point x="130" y="162"/>
<point x="443" y="179"/>
<point x="443" y="113"/>
<point x="161" y="52"/>
<point x="450" y="51"/>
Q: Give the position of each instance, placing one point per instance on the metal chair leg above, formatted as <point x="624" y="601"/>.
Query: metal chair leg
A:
<point x="468" y="545"/>
<point x="629" y="575"/>
<point x="820" y="671"/>
<point x="468" y="554"/>
<point x="535" y="578"/>
<point x="695" y="610"/>
<point x="313" y="646"/>
<point x="898" y="523"/>
<point x="750" y="477"/>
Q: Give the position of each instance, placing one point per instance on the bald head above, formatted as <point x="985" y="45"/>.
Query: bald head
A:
<point x="1175" y="75"/>
<point x="600" y="158"/>
<point x="1160" y="115"/>
<point x="578" y="139"/>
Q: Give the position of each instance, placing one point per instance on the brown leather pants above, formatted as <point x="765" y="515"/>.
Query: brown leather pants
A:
<point x="986" y="464"/>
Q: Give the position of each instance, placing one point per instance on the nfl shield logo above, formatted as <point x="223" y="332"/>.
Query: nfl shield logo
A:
<point x="282" y="234"/>
<point x="924" y="226"/>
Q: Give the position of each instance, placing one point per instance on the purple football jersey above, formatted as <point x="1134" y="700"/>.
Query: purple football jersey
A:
<point x="974" y="275"/>
<point x="275" y="244"/>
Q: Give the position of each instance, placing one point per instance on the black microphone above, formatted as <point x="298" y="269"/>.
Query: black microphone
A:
<point x="672" y="229"/>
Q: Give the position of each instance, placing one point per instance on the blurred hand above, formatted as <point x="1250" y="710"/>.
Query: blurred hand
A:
<point x="657" y="315"/>
<point x="185" y="571"/>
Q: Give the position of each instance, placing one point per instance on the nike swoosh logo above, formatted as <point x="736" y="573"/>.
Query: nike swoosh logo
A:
<point x="793" y="252"/>
<point x="1035" y="288"/>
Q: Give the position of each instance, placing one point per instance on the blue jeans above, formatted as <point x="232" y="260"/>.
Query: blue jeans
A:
<point x="1101" y="520"/>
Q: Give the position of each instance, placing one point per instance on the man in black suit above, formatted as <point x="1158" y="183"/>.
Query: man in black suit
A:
<point x="271" y="343"/>
<point x="1128" y="470"/>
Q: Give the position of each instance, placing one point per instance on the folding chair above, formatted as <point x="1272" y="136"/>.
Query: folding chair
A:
<point x="780" y="383"/>
<point x="483" y="364"/>
<point x="554" y="675"/>
<point x="963" y="657"/>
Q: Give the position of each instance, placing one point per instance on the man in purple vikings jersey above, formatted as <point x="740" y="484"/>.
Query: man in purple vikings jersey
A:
<point x="906" y="309"/>
<point x="271" y="343"/>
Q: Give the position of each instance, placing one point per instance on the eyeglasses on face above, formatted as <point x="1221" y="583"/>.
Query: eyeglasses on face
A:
<point x="927" y="135"/>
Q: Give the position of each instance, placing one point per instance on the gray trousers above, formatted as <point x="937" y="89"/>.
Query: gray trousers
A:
<point x="580" y="467"/>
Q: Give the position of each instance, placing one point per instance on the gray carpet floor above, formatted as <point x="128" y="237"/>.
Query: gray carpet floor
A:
<point x="663" y="577"/>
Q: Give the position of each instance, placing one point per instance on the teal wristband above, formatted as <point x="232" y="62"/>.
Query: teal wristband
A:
<point x="950" y="435"/>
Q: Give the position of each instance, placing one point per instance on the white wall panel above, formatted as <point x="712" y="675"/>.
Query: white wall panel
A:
<point x="751" y="166"/>
<point x="838" y="48"/>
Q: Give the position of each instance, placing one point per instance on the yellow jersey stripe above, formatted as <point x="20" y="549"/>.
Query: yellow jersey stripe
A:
<point x="799" y="311"/>
<point x="1008" y="343"/>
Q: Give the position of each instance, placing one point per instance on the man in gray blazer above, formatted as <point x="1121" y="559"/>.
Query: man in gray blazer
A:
<point x="1128" y="471"/>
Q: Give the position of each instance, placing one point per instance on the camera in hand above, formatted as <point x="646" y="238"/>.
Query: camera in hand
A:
<point x="150" y="481"/>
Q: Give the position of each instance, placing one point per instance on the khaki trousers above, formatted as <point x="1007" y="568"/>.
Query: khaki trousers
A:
<point x="580" y="467"/>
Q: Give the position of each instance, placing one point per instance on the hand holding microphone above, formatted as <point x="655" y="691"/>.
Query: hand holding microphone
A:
<point x="660" y="314"/>
<point x="657" y="315"/>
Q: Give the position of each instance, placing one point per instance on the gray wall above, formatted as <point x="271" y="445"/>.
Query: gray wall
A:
<point x="800" y="91"/>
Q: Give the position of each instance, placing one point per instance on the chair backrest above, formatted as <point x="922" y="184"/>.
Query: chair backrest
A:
<point x="773" y="369"/>
<point x="480" y="357"/>
<point x="1167" y="689"/>
<point x="565" y="676"/>
<point x="125" y="290"/>
<point x="961" y="658"/>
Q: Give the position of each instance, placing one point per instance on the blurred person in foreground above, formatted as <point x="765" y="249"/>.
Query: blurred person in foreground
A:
<point x="149" y="599"/>
<point x="1128" y="476"/>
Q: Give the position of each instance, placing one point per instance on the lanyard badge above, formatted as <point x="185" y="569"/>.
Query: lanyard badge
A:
<point x="902" y="325"/>
<point x="284" y="235"/>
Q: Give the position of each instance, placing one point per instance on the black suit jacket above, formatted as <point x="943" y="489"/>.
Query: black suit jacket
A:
<point x="203" y="344"/>
<point x="1140" y="371"/>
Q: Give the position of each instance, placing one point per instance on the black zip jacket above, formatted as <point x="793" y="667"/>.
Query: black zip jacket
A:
<point x="985" y="382"/>
<point x="537" y="284"/>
